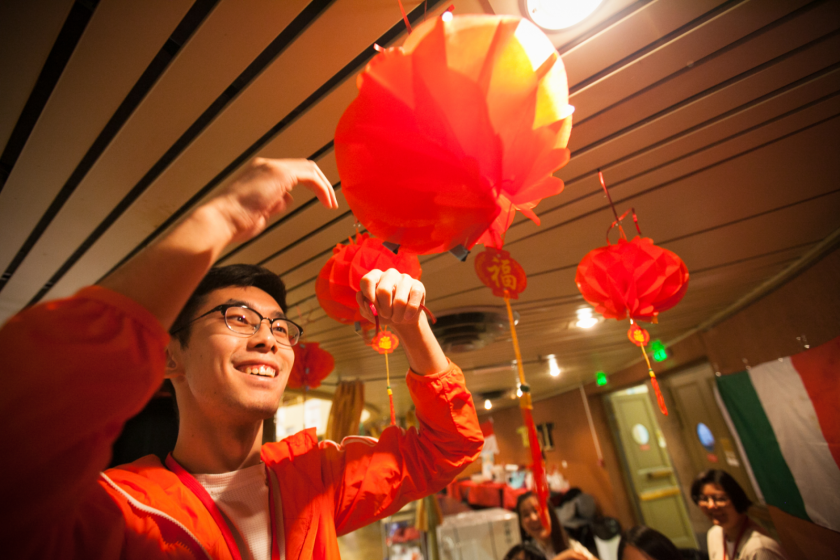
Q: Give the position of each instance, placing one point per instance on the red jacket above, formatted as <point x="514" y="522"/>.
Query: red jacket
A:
<point x="73" y="371"/>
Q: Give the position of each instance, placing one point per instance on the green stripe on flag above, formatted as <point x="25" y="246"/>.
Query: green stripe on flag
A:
<point x="768" y="464"/>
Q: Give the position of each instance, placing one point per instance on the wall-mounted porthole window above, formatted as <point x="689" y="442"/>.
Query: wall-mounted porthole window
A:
<point x="640" y="434"/>
<point x="704" y="434"/>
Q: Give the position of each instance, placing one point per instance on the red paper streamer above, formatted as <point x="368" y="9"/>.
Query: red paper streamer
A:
<point x="454" y="131"/>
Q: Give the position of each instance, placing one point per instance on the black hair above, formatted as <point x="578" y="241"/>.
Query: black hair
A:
<point x="715" y="476"/>
<point x="239" y="275"/>
<point x="651" y="542"/>
<point x="531" y="552"/>
<point x="559" y="541"/>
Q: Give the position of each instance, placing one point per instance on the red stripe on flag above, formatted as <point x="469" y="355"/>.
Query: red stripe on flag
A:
<point x="819" y="369"/>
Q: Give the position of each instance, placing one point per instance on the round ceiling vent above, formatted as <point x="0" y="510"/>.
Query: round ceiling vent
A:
<point x="470" y="328"/>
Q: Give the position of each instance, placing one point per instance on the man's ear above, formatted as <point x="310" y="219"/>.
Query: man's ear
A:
<point x="174" y="360"/>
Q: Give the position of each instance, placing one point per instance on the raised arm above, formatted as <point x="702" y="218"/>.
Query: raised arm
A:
<point x="162" y="277"/>
<point x="372" y="479"/>
<point x="73" y="371"/>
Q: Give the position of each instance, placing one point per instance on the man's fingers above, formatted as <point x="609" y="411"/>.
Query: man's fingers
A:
<point x="385" y="292"/>
<point x="402" y="295"/>
<point x="416" y="298"/>
<point x="367" y="285"/>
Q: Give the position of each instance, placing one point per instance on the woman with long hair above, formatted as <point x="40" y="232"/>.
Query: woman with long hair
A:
<point x="553" y="543"/>
<point x="734" y="535"/>
<point x="644" y="543"/>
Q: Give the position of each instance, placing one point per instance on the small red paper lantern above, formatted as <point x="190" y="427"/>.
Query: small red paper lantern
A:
<point x="500" y="272"/>
<point x="634" y="279"/>
<point x="638" y="335"/>
<point x="312" y="365"/>
<point x="385" y="342"/>
<point x="454" y="131"/>
<point x="339" y="279"/>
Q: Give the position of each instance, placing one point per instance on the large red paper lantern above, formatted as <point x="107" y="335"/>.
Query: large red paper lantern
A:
<point x="454" y="131"/>
<point x="312" y="365"/>
<point x="340" y="278"/>
<point x="632" y="279"/>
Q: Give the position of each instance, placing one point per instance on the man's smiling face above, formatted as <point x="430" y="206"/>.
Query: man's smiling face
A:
<point x="220" y="372"/>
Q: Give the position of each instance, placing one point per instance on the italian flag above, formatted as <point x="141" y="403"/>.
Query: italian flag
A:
<point x="787" y="417"/>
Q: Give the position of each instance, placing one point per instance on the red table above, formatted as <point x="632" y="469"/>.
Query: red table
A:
<point x="485" y="494"/>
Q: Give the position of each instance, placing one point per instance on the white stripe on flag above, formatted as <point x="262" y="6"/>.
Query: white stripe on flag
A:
<point x="794" y="421"/>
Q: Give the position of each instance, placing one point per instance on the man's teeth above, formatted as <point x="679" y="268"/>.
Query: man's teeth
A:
<point x="263" y="371"/>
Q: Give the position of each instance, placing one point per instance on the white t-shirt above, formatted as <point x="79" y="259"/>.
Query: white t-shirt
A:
<point x="242" y="497"/>
<point x="754" y="545"/>
<point x="573" y="545"/>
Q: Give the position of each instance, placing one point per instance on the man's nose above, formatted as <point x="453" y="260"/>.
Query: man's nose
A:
<point x="264" y="336"/>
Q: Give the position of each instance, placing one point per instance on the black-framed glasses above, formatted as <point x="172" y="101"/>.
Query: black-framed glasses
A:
<point x="719" y="500"/>
<point x="244" y="321"/>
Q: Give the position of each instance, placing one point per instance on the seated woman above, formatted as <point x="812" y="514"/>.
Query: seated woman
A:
<point x="734" y="536"/>
<point x="644" y="543"/>
<point x="553" y="544"/>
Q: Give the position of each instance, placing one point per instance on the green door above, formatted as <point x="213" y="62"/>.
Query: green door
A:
<point x="657" y="494"/>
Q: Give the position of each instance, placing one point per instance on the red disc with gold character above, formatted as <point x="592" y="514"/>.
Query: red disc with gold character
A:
<point x="385" y="342"/>
<point x="499" y="272"/>
<point x="638" y="335"/>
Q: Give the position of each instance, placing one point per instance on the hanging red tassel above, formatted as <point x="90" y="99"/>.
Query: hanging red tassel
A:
<point x="659" y="398"/>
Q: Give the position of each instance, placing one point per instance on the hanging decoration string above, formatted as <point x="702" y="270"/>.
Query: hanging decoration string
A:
<point x="387" y="369"/>
<point x="640" y="337"/>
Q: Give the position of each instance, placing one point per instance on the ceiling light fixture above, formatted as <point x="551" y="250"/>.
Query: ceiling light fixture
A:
<point x="553" y="367"/>
<point x="487" y="404"/>
<point x="559" y="14"/>
<point x="585" y="318"/>
<point x="447" y="15"/>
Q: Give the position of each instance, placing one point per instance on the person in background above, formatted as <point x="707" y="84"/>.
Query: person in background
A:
<point x="734" y="535"/>
<point x="644" y="543"/>
<point x="553" y="544"/>
<point x="524" y="551"/>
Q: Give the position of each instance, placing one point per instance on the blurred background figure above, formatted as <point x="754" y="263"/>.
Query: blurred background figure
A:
<point x="734" y="535"/>
<point x="553" y="544"/>
<point x="644" y="543"/>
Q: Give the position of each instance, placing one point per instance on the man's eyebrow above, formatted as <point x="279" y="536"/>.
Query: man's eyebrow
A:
<point x="278" y="314"/>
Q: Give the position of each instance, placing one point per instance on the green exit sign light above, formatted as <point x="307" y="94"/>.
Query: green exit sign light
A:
<point x="600" y="378"/>
<point x="659" y="353"/>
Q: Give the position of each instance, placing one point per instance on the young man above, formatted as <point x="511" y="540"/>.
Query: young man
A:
<point x="75" y="370"/>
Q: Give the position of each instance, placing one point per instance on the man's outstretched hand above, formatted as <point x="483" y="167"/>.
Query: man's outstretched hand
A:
<point x="398" y="299"/>
<point x="264" y="189"/>
<point x="163" y="275"/>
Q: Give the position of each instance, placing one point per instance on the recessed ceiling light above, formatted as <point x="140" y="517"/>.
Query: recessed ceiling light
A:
<point x="559" y="14"/>
<point x="487" y="404"/>
<point x="585" y="318"/>
<point x="553" y="367"/>
<point x="446" y="16"/>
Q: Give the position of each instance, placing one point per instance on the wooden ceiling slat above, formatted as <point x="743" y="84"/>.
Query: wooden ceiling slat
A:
<point x="702" y="73"/>
<point x="674" y="56"/>
<point x="322" y="50"/>
<point x="117" y="46"/>
<point x="233" y="35"/>
<point x="629" y="35"/>
<point x="28" y="31"/>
